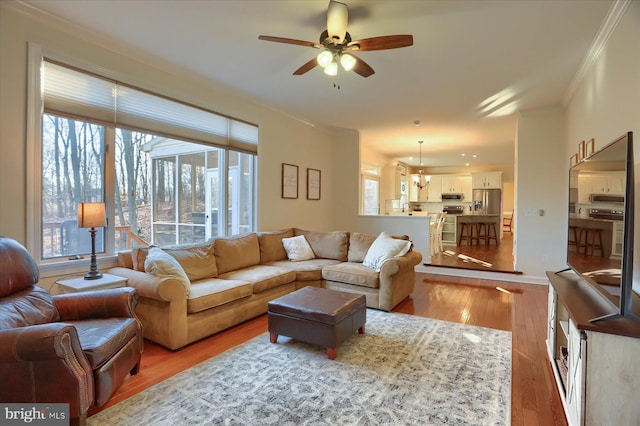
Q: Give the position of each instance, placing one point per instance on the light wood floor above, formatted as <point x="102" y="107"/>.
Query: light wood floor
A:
<point x="519" y="308"/>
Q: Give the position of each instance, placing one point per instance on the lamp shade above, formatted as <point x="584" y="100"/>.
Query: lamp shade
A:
<point x="324" y="58"/>
<point x="331" y="69"/>
<point x="347" y="61"/>
<point x="91" y="215"/>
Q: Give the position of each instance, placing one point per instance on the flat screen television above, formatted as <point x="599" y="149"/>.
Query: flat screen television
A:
<point x="600" y="225"/>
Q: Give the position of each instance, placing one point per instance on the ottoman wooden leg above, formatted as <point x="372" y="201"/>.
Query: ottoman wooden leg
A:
<point x="332" y="352"/>
<point x="273" y="337"/>
<point x="361" y="330"/>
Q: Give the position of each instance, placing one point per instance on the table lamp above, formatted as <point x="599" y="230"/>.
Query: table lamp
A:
<point x="92" y="215"/>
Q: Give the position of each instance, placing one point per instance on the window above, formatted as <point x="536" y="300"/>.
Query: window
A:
<point x="370" y="189"/>
<point x="155" y="162"/>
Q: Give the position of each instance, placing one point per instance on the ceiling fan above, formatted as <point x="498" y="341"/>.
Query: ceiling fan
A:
<point x="337" y="45"/>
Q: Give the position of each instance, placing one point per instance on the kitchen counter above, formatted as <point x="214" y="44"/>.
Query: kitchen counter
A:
<point x="587" y="218"/>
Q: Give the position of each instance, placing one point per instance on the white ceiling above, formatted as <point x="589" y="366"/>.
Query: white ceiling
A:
<point x="473" y="62"/>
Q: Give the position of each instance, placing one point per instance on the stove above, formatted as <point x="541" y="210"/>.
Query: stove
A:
<point x="453" y="209"/>
<point x="606" y="214"/>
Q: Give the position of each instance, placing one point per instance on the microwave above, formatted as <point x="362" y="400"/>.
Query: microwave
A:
<point x="606" y="198"/>
<point x="450" y="197"/>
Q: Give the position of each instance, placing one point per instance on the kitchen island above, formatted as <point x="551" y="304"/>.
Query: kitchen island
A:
<point x="582" y="224"/>
<point x="471" y="220"/>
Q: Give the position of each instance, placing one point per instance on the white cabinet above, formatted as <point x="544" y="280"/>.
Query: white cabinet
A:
<point x="449" y="230"/>
<point x="434" y="194"/>
<point x="487" y="180"/>
<point x="611" y="183"/>
<point x="457" y="184"/>
<point x="617" y="240"/>
<point x="595" y="364"/>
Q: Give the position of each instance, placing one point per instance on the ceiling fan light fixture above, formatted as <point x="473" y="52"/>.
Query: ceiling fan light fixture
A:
<point x="347" y="61"/>
<point x="331" y="69"/>
<point x="324" y="58"/>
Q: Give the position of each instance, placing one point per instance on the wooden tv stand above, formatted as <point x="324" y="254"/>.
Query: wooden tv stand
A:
<point x="596" y="364"/>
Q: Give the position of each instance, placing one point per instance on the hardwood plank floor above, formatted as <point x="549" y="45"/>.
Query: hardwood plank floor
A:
<point x="499" y="256"/>
<point x="516" y="307"/>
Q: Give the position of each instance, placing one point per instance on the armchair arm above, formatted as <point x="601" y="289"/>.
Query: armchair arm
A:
<point x="116" y="302"/>
<point x="45" y="363"/>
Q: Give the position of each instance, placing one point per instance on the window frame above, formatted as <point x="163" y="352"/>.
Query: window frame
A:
<point x="36" y="55"/>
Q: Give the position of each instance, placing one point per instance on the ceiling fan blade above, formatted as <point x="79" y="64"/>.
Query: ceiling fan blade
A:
<point x="290" y="41"/>
<point x="306" y="67"/>
<point x="337" y="19"/>
<point x="361" y="67"/>
<point x="382" y="42"/>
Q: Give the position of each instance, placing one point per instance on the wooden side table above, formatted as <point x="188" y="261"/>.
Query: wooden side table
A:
<point x="74" y="285"/>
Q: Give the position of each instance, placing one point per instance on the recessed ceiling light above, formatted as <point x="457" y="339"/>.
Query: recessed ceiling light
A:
<point x="466" y="164"/>
<point x="474" y="156"/>
<point x="463" y="154"/>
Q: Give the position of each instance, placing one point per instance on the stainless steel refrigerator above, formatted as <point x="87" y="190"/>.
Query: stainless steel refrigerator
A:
<point x="487" y="201"/>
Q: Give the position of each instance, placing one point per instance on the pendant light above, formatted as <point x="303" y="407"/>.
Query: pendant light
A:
<point x="421" y="183"/>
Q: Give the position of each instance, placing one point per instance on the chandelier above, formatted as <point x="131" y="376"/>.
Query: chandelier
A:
<point x="421" y="182"/>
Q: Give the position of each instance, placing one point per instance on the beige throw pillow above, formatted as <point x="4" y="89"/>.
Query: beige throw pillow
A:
<point x="384" y="248"/>
<point x="297" y="248"/>
<point x="162" y="264"/>
<point x="271" y="248"/>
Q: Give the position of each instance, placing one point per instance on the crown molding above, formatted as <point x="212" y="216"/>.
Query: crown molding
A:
<point x="614" y="16"/>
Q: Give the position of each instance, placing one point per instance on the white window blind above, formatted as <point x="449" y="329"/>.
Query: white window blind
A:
<point x="75" y="93"/>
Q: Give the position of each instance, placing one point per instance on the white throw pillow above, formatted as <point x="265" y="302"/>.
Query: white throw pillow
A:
<point x="162" y="264"/>
<point x="298" y="248"/>
<point x="383" y="248"/>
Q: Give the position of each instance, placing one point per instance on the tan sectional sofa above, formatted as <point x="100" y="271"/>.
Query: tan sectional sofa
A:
<point x="230" y="280"/>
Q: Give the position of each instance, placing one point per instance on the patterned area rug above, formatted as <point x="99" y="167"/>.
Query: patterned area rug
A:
<point x="405" y="370"/>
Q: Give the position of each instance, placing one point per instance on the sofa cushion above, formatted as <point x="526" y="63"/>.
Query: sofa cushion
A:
<point x="162" y="264"/>
<point x="327" y="245"/>
<point x="262" y="277"/>
<point x="197" y="260"/>
<point x="306" y="270"/>
<point x="352" y="273"/>
<point x="138" y="256"/>
<point x="383" y="248"/>
<point x="359" y="246"/>
<point x="237" y="252"/>
<point x="297" y="248"/>
<point x="212" y="292"/>
<point x="271" y="248"/>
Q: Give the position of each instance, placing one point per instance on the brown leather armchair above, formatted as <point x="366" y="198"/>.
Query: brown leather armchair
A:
<point x="74" y="348"/>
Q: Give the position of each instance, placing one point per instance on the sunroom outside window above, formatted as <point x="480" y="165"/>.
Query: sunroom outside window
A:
<point x="166" y="183"/>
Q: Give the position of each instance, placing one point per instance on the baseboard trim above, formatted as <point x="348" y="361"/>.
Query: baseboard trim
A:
<point x="486" y="275"/>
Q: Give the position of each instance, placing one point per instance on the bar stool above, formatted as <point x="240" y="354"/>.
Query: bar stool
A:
<point x="581" y="242"/>
<point x="466" y="233"/>
<point x="591" y="243"/>
<point x="492" y="234"/>
<point x="573" y="232"/>
<point x="481" y="233"/>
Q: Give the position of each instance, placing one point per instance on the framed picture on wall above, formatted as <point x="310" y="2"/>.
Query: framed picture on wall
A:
<point x="313" y="184"/>
<point x="581" y="151"/>
<point x="289" y="181"/>
<point x="573" y="160"/>
<point x="589" y="147"/>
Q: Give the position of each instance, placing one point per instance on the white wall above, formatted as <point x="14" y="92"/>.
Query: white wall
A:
<point x="540" y="184"/>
